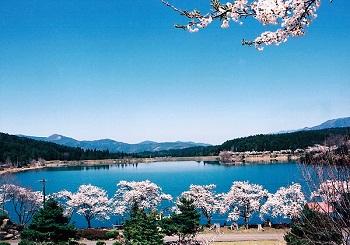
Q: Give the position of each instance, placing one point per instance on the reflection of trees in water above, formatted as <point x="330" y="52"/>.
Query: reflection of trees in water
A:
<point x="211" y="162"/>
<point x="124" y="165"/>
<point x="95" y="167"/>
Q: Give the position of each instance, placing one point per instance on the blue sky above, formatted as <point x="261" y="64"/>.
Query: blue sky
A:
<point x="118" y="69"/>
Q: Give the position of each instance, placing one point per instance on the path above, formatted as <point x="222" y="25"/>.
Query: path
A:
<point x="226" y="237"/>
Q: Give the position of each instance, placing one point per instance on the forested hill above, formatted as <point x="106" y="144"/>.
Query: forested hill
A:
<point x="22" y="150"/>
<point x="261" y="142"/>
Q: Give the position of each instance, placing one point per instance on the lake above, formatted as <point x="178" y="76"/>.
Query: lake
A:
<point x="172" y="177"/>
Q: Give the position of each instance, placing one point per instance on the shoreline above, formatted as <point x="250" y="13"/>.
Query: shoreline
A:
<point x="90" y="163"/>
<point x="101" y="162"/>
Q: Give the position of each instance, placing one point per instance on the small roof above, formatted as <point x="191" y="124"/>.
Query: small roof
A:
<point x="322" y="207"/>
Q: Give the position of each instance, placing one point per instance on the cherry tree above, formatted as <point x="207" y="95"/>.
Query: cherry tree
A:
<point x="291" y="17"/>
<point x="204" y="198"/>
<point x="143" y="194"/>
<point x="3" y="197"/>
<point x="243" y="200"/>
<point x="25" y="202"/>
<point x="331" y="191"/>
<point x="89" y="201"/>
<point x="287" y="202"/>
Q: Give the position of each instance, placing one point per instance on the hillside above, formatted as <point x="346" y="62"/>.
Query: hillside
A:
<point x="116" y="146"/>
<point x="22" y="150"/>
<point x="334" y="123"/>
<point x="262" y="142"/>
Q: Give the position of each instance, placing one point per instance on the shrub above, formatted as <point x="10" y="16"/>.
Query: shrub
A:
<point x="112" y="234"/>
<point x="313" y="228"/>
<point x="3" y="215"/>
<point x="100" y="243"/>
<point x="4" y="243"/>
<point x="93" y="234"/>
<point x="117" y="243"/>
<point x="73" y="242"/>
<point x="26" y="242"/>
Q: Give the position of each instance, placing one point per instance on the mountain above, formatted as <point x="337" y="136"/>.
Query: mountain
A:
<point x="115" y="146"/>
<point x="21" y="150"/>
<point x="334" y="123"/>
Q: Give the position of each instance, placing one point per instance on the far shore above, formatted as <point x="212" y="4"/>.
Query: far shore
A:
<point x="87" y="163"/>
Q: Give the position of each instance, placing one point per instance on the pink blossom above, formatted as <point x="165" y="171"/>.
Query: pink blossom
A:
<point x="287" y="202"/>
<point x="143" y="194"/>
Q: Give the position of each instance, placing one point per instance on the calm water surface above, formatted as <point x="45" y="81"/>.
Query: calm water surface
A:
<point x="173" y="177"/>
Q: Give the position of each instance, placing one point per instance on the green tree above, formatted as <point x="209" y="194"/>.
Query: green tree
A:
<point x="185" y="223"/>
<point x="313" y="228"/>
<point x="142" y="229"/>
<point x="49" y="224"/>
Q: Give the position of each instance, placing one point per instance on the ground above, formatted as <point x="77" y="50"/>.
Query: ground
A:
<point x="227" y="237"/>
<point x="251" y="243"/>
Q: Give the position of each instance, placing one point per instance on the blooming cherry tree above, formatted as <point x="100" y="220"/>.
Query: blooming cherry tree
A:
<point x="24" y="202"/>
<point x="243" y="200"/>
<point x="143" y="194"/>
<point x="332" y="191"/>
<point x="204" y="198"/>
<point x="89" y="201"/>
<point x="287" y="202"/>
<point x="3" y="197"/>
<point x="291" y="17"/>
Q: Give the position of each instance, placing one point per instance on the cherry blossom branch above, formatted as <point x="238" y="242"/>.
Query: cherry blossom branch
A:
<point x="292" y="17"/>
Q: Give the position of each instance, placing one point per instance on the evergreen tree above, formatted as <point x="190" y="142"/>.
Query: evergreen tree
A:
<point x="49" y="224"/>
<point x="142" y="229"/>
<point x="185" y="223"/>
<point x="313" y="228"/>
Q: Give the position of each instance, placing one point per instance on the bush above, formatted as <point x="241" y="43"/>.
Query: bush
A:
<point x="100" y="243"/>
<point x="73" y="242"/>
<point x="4" y="243"/>
<point x="3" y="215"/>
<point x="26" y="242"/>
<point x="117" y="243"/>
<point x="93" y="234"/>
<point x="112" y="234"/>
<point x="313" y="228"/>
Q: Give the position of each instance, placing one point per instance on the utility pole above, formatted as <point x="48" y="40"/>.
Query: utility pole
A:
<point x="43" y="182"/>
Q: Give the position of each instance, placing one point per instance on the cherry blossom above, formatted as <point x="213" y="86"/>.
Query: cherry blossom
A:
<point x="204" y="198"/>
<point x="24" y="202"/>
<point x="89" y="201"/>
<point x="243" y="200"/>
<point x="291" y="17"/>
<point x="3" y="197"/>
<point x="287" y="202"/>
<point x="332" y="190"/>
<point x="143" y="194"/>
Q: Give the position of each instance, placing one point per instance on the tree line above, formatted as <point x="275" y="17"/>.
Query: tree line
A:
<point x="20" y="151"/>
<point x="261" y="142"/>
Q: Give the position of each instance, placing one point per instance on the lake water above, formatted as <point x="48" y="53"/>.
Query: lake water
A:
<point x="172" y="177"/>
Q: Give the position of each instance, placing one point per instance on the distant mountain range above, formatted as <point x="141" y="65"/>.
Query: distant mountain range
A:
<point x="151" y="146"/>
<point x="115" y="146"/>
<point x="333" y="123"/>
